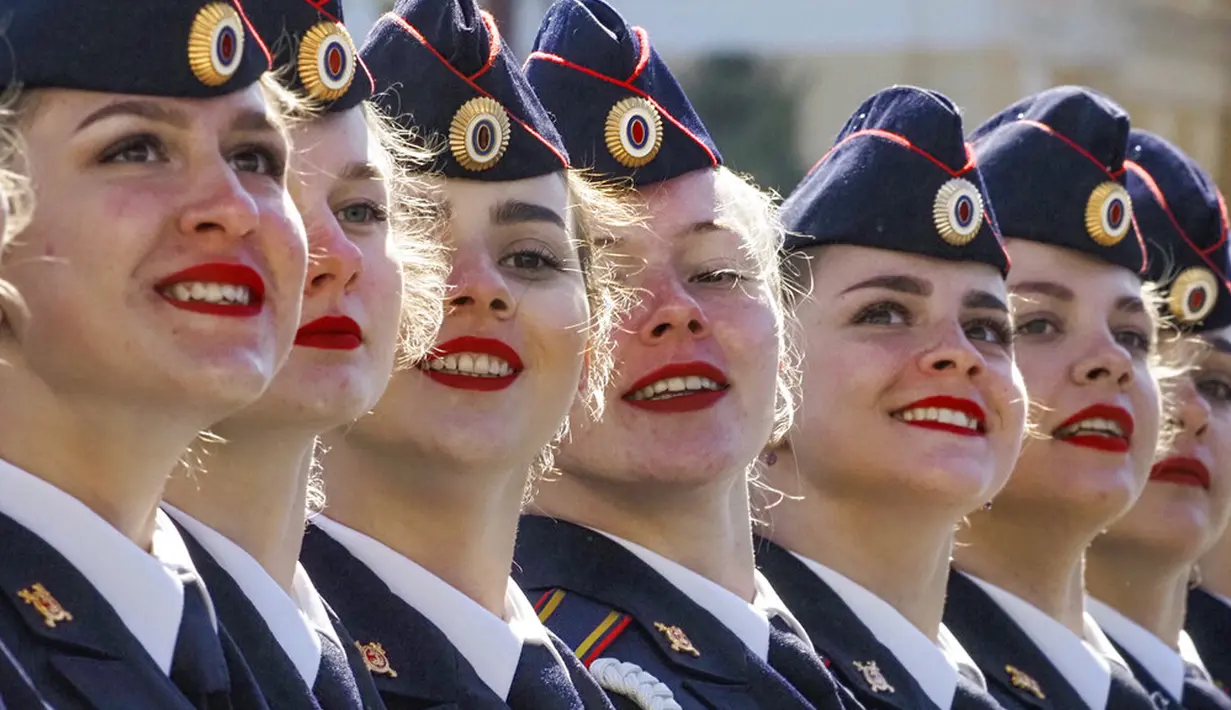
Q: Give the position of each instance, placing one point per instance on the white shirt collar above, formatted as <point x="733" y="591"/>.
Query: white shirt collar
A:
<point x="285" y="619"/>
<point x="748" y="621"/>
<point x="490" y="644"/>
<point x="934" y="670"/>
<point x="1164" y="664"/>
<point x="1084" y="663"/>
<point x="107" y="559"/>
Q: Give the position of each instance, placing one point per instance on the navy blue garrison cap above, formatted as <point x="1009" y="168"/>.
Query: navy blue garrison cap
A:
<point x="616" y="103"/>
<point x="313" y="50"/>
<point x="1053" y="164"/>
<point x="1183" y="220"/>
<point x="442" y="69"/>
<point x="174" y="48"/>
<point x="901" y="177"/>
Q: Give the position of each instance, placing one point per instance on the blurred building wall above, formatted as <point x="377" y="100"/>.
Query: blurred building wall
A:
<point x="1167" y="61"/>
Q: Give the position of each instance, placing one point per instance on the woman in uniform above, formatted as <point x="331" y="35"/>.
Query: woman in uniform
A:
<point x="640" y="551"/>
<point x="155" y="291"/>
<point x="1053" y="166"/>
<point x="415" y="546"/>
<point x="242" y="508"/>
<point x="1208" y="620"/>
<point x="905" y="332"/>
<point x="1138" y="573"/>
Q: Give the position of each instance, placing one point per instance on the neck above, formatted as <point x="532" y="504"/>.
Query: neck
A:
<point x="112" y="457"/>
<point x="252" y="489"/>
<point x="704" y="528"/>
<point x="1149" y="589"/>
<point x="1215" y="567"/>
<point x="900" y="553"/>
<point x="1042" y="564"/>
<point x="458" y="522"/>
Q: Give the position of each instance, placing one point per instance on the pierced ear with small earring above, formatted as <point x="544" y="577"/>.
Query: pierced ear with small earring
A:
<point x="1194" y="577"/>
<point x="770" y="458"/>
<point x="987" y="505"/>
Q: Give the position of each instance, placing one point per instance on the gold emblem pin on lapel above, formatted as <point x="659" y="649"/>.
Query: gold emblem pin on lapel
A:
<point x="375" y="660"/>
<point x="38" y="597"/>
<point x="1023" y="681"/>
<point x="875" y="679"/>
<point x="679" y="640"/>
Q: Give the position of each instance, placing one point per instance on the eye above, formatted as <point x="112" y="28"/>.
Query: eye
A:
<point x="883" y="313"/>
<point x="989" y="330"/>
<point x="1133" y="340"/>
<point x="533" y="260"/>
<point x="1214" y="389"/>
<point x="143" y="148"/>
<point x="364" y="212"/>
<point x="720" y="276"/>
<point x="258" y="159"/>
<point x="1037" y="326"/>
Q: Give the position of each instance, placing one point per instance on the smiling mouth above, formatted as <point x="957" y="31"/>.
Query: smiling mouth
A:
<point x="1100" y="427"/>
<point x="671" y="387"/>
<point x="470" y="365"/>
<point x="206" y="292"/>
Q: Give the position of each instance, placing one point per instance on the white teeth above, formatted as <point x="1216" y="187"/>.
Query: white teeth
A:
<point x="228" y="294"/>
<point x="675" y="387"/>
<point x="472" y="364"/>
<point x="1101" y="427"/>
<point x="939" y="414"/>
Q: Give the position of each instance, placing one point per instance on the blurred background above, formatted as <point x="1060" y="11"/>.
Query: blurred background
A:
<point x="775" y="80"/>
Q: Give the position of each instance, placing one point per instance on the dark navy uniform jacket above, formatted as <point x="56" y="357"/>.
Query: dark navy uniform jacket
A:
<point x="1200" y="693"/>
<point x="16" y="688"/>
<point x="1209" y="625"/>
<point x="842" y="638"/>
<point x="1018" y="674"/>
<point x="604" y="602"/>
<point x="413" y="663"/>
<point x="92" y="661"/>
<point x="283" y="686"/>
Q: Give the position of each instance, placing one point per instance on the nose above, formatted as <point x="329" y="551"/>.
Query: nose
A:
<point x="334" y="260"/>
<point x="672" y="311"/>
<point x="1193" y="415"/>
<point x="476" y="282"/>
<point x="954" y="353"/>
<point x="224" y="208"/>
<point x="1108" y="362"/>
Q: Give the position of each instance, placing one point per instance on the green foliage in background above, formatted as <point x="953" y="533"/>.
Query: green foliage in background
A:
<point x="751" y="113"/>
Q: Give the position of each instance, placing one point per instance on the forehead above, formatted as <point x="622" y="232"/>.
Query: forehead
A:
<point x="837" y="266"/>
<point x="66" y="108"/>
<point x="335" y="139"/>
<point x="680" y="202"/>
<point x="1082" y="274"/>
<point x="468" y="199"/>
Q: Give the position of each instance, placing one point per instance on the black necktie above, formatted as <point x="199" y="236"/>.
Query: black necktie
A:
<point x="540" y="683"/>
<point x="795" y="661"/>
<point x="335" y="687"/>
<point x="199" y="668"/>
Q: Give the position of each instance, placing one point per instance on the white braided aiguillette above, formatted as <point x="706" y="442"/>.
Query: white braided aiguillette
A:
<point x="629" y="680"/>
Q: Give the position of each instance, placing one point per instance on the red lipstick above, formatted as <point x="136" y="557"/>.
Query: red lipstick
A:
<point x="1105" y="441"/>
<point x="676" y="401"/>
<point x="971" y="409"/>
<point x="468" y="346"/>
<point x="330" y="333"/>
<point x="1181" y="470"/>
<point x="218" y="273"/>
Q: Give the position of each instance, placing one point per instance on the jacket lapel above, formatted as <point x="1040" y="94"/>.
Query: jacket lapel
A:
<point x="1209" y="624"/>
<point x="267" y="662"/>
<point x="862" y="663"/>
<point x="411" y="661"/>
<point x="68" y="638"/>
<point x="667" y="626"/>
<point x="1018" y="673"/>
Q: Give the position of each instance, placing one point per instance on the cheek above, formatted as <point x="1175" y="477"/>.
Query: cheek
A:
<point x="1041" y="372"/>
<point x="554" y="321"/>
<point x="1147" y="413"/>
<point x="381" y="292"/>
<point x="1219" y="438"/>
<point x="748" y="338"/>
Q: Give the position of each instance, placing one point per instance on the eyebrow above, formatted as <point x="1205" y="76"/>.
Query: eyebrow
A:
<point x="254" y="120"/>
<point x="984" y="300"/>
<point x="362" y="171"/>
<point x="1057" y="291"/>
<point x="1060" y="292"/>
<point x="148" y="110"/>
<point x="895" y="282"/>
<point x="512" y="212"/>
